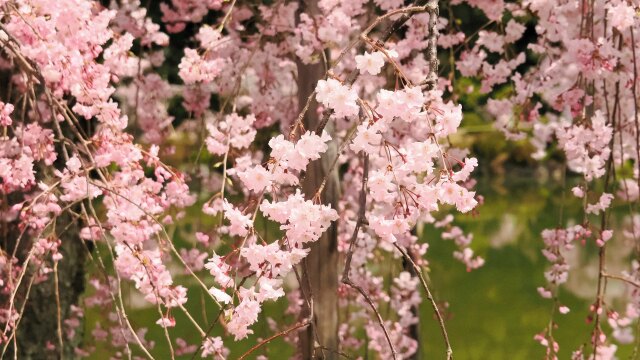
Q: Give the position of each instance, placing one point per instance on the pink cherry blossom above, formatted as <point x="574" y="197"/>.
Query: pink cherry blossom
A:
<point x="239" y="223"/>
<point x="5" y="111"/>
<point x="215" y="347"/>
<point x="340" y="98"/>
<point x="370" y="62"/>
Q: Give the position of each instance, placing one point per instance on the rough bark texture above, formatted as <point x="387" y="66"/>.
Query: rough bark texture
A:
<point x="322" y="262"/>
<point x="39" y="324"/>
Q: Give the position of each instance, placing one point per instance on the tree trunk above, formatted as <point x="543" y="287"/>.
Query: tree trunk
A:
<point x="321" y="270"/>
<point x="37" y="334"/>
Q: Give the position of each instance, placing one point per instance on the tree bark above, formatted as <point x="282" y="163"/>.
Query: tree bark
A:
<point x="37" y="333"/>
<point x="321" y="270"/>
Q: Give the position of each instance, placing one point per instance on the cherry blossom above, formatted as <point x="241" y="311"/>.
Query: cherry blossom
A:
<point x="5" y="111"/>
<point x="370" y="62"/>
<point x="340" y="98"/>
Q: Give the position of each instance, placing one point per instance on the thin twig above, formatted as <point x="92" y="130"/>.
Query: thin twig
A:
<point x="272" y="337"/>
<point x="622" y="278"/>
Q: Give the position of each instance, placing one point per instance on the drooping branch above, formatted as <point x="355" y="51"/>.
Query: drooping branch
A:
<point x="352" y="245"/>
<point x="436" y="309"/>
